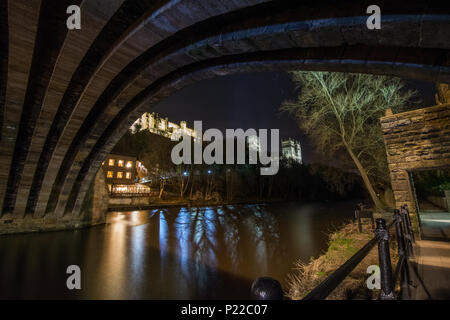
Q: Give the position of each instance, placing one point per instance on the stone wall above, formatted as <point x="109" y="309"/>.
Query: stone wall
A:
<point x="442" y="93"/>
<point x="415" y="140"/>
<point x="96" y="202"/>
<point x="440" y="202"/>
<point x="94" y="210"/>
<point x="129" y="201"/>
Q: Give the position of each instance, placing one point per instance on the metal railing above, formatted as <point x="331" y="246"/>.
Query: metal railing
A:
<point x="388" y="279"/>
<point x="362" y="212"/>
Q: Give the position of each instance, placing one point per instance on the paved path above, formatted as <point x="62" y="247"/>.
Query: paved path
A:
<point x="433" y="268"/>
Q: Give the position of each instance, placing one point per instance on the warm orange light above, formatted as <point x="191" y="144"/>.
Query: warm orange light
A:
<point x="130" y="188"/>
<point x="110" y="174"/>
<point x="111" y="162"/>
<point x="129" y="164"/>
<point x="120" y="163"/>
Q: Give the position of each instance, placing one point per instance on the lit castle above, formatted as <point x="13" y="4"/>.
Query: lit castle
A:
<point x="290" y="148"/>
<point x="161" y="126"/>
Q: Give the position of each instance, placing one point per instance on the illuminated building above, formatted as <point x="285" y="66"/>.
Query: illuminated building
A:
<point x="119" y="170"/>
<point x="162" y="126"/>
<point x="122" y="174"/>
<point x="291" y="150"/>
<point x="253" y="143"/>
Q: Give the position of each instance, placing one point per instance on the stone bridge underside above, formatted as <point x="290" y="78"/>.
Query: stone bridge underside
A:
<point x="66" y="97"/>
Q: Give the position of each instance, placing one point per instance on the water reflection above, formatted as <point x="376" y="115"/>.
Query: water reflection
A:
<point x="176" y="253"/>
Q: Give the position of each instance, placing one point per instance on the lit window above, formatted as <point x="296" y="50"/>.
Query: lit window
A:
<point x="128" y="175"/>
<point x="119" y="175"/>
<point x="110" y="174"/>
<point x="129" y="164"/>
<point x="111" y="162"/>
<point x="120" y="163"/>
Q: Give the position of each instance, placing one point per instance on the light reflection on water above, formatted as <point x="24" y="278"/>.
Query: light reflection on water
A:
<point x="175" y="253"/>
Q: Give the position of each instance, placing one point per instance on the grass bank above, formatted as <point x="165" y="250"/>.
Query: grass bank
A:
<point x="343" y="243"/>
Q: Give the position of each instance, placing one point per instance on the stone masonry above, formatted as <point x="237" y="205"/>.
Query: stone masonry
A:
<point x="443" y="93"/>
<point x="415" y="140"/>
<point x="93" y="213"/>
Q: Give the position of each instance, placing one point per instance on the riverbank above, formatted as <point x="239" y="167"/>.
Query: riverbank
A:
<point x="169" y="203"/>
<point x="343" y="243"/>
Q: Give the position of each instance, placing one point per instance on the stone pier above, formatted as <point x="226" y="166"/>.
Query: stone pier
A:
<point x="93" y="213"/>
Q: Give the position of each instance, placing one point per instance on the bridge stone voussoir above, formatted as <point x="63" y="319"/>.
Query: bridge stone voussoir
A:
<point x="434" y="31"/>
<point x="399" y="30"/>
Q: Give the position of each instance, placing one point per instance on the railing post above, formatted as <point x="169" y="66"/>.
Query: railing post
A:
<point x="373" y="221"/>
<point x="401" y="245"/>
<point x="358" y="217"/>
<point x="408" y="229"/>
<point x="399" y="231"/>
<point x="266" y="288"/>
<point x="387" y="283"/>
<point x="408" y="221"/>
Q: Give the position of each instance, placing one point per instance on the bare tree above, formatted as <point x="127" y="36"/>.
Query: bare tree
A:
<point x="156" y="158"/>
<point x="341" y="111"/>
<point x="183" y="176"/>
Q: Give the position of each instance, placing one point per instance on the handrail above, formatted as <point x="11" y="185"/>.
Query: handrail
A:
<point x="332" y="281"/>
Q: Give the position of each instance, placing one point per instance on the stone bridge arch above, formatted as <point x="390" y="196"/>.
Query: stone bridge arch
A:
<point x="67" y="98"/>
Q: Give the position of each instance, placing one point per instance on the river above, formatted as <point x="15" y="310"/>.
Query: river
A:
<point x="170" y="253"/>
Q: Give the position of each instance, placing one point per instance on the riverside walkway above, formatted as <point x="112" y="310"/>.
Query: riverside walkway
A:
<point x="432" y="262"/>
<point x="432" y="270"/>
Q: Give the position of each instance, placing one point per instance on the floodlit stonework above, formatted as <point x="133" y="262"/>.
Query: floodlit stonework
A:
<point x="153" y="123"/>
<point x="292" y="150"/>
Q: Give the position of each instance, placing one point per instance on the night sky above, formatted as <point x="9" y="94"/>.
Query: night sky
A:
<point x="251" y="100"/>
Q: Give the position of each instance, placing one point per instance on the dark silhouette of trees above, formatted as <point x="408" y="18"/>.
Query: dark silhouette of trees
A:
<point x="236" y="182"/>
